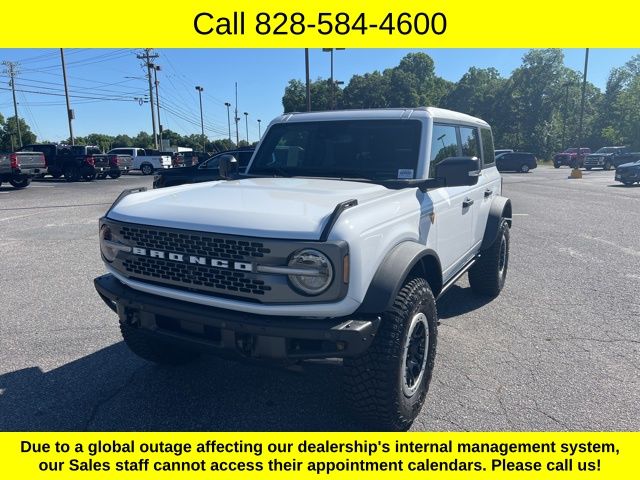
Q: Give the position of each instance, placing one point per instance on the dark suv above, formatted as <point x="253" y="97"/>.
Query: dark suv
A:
<point x="516" y="162"/>
<point x="205" y="171"/>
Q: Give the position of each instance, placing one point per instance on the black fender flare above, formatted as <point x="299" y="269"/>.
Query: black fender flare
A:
<point x="500" y="210"/>
<point x="399" y="263"/>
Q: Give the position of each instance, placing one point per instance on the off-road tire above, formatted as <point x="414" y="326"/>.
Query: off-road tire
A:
<point x="101" y="176"/>
<point x="556" y="165"/>
<point x="488" y="275"/>
<point x="375" y="382"/>
<point x="146" y="169"/>
<point x="115" y="175"/>
<point x="22" y="183"/>
<point x="89" y="177"/>
<point x="154" y="350"/>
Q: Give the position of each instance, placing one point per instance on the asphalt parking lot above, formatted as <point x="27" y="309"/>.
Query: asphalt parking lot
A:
<point x="558" y="350"/>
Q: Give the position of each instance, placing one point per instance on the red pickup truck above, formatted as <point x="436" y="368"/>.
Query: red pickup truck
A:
<point x="570" y="157"/>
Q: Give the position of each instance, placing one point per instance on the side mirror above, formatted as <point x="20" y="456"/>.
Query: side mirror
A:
<point x="459" y="171"/>
<point x="228" y="166"/>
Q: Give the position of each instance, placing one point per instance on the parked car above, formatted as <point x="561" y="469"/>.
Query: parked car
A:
<point x="203" y="172"/>
<point x="18" y="168"/>
<point x="335" y="243"/>
<point x="609" y="157"/>
<point x="63" y="161"/>
<point x="516" y="162"/>
<point x="570" y="157"/>
<point x="500" y="151"/>
<point x="629" y="173"/>
<point x="116" y="165"/>
<point x="143" y="160"/>
<point x="194" y="158"/>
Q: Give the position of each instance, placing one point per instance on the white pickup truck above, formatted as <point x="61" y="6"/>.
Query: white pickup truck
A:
<point x="335" y="243"/>
<point x="143" y="160"/>
<point x="18" y="168"/>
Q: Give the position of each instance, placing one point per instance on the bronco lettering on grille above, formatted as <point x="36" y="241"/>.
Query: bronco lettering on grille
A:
<point x="195" y="260"/>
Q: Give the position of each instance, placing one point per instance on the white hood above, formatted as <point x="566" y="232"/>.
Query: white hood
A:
<point x="295" y="208"/>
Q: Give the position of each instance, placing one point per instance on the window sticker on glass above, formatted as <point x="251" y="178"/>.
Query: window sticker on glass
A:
<point x="404" y="173"/>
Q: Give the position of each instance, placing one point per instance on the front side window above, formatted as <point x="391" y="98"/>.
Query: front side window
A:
<point x="444" y="144"/>
<point x="363" y="149"/>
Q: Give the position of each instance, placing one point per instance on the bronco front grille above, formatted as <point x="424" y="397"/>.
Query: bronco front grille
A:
<point x="194" y="244"/>
<point x="217" y="264"/>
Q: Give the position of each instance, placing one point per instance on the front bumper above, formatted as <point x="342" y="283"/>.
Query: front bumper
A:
<point x="238" y="334"/>
<point x="633" y="176"/>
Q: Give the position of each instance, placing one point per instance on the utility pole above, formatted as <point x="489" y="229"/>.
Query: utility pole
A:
<point x="308" y="81"/>
<point x="246" y="122"/>
<point x="237" y="119"/>
<point x="566" y="111"/>
<point x="227" y="104"/>
<point x="147" y="57"/>
<point x="156" y="69"/>
<point x="259" y="131"/>
<point x="11" y="70"/>
<point x="70" y="114"/>
<point x="200" y="90"/>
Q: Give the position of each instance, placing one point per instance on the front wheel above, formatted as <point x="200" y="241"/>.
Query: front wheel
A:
<point x="488" y="274"/>
<point x="556" y="165"/>
<point x="387" y="386"/>
<point x="627" y="183"/>
<point x="21" y="182"/>
<point x="524" y="168"/>
<point x="146" y="169"/>
<point x="607" y="166"/>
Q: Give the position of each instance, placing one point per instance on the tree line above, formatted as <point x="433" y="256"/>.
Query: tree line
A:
<point x="535" y="109"/>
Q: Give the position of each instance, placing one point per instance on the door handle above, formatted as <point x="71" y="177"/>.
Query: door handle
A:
<point x="488" y="192"/>
<point x="467" y="203"/>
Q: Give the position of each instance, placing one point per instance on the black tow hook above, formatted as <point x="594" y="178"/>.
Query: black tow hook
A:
<point x="246" y="343"/>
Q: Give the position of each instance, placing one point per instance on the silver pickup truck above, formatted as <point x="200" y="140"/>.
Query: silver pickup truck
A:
<point x="18" y="168"/>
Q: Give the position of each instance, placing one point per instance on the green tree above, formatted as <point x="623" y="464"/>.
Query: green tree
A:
<point x="9" y="133"/>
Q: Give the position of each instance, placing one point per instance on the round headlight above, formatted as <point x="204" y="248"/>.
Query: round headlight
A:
<point x="105" y="236"/>
<point x="320" y="271"/>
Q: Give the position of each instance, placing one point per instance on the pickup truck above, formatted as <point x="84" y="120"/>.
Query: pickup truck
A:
<point x="19" y="168"/>
<point x="112" y="165"/>
<point x="609" y="157"/>
<point x="570" y="157"/>
<point x="143" y="161"/>
<point x="74" y="163"/>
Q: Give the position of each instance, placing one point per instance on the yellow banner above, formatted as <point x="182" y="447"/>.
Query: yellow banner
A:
<point x="335" y="456"/>
<point x="326" y="23"/>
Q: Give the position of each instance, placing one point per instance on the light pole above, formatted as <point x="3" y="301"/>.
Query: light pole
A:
<point x="308" y="81"/>
<point x="259" y="131"/>
<point x="332" y="84"/>
<point x="246" y="123"/>
<point x="228" y="105"/>
<point x="156" y="69"/>
<point x="200" y="90"/>
<point x="576" y="173"/>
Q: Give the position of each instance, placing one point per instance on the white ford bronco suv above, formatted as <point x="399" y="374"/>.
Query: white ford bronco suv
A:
<point x="334" y="243"/>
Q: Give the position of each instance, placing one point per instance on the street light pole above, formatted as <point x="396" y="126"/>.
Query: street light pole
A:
<point x="308" y="84"/>
<point x="246" y="122"/>
<point x="259" y="131"/>
<point x="566" y="109"/>
<point x="576" y="173"/>
<point x="332" y="83"/>
<point x="228" y="105"/>
<point x="200" y="90"/>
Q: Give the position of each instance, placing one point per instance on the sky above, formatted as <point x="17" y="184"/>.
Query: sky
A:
<point x="106" y="83"/>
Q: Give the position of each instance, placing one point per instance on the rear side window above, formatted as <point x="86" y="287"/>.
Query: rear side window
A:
<point x="488" y="154"/>
<point x="444" y="144"/>
<point x="469" y="142"/>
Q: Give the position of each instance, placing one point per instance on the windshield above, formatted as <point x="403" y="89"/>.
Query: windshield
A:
<point x="369" y="149"/>
<point x="608" y="150"/>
